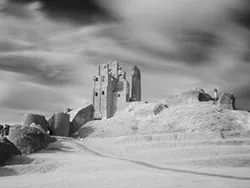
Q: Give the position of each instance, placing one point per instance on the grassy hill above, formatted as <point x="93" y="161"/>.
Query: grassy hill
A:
<point x="186" y="114"/>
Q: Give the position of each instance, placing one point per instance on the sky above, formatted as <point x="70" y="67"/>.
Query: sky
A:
<point x="50" y="49"/>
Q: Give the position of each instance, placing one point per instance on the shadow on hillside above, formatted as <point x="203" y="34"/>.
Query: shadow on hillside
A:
<point x="15" y="160"/>
<point x="84" y="131"/>
<point x="19" y="160"/>
<point x="55" y="147"/>
<point x="6" y="171"/>
<point x="55" y="150"/>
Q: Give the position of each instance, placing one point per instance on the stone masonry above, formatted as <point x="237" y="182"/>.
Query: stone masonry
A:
<point x="111" y="89"/>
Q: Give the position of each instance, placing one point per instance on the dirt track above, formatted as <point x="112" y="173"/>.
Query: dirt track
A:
<point x="148" y="165"/>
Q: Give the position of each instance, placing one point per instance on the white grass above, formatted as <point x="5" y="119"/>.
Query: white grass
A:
<point x="127" y="162"/>
<point x="193" y="118"/>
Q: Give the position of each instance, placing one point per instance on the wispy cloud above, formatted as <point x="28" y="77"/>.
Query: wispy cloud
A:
<point x="41" y="67"/>
<point x="49" y="55"/>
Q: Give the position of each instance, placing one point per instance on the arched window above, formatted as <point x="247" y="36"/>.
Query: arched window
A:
<point x="103" y="92"/>
<point x="96" y="94"/>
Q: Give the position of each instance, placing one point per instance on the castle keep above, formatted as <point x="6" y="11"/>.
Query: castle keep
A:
<point x="111" y="89"/>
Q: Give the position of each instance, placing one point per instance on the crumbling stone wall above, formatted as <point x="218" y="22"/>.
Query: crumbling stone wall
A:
<point x="40" y="120"/>
<point x="136" y="84"/>
<point x="189" y="97"/>
<point x="111" y="89"/>
<point x="103" y="92"/>
<point x="79" y="117"/>
<point x="227" y="101"/>
<point x="59" y="124"/>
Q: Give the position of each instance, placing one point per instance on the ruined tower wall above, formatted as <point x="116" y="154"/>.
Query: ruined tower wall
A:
<point x="127" y="92"/>
<point x="96" y="96"/>
<point x="111" y="90"/>
<point x="101" y="69"/>
<point x="113" y="69"/>
<point x="114" y="102"/>
<point x="114" y="83"/>
<point x="103" y="92"/>
<point x="107" y="92"/>
<point x="106" y="96"/>
<point x="59" y="124"/>
<point x="28" y="119"/>
<point x="136" y="84"/>
<point x="122" y="94"/>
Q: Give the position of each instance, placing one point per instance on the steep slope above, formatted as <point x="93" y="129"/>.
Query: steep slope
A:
<point x="151" y="118"/>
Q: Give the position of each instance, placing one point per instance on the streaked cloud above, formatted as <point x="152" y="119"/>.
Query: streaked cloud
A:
<point x="49" y="54"/>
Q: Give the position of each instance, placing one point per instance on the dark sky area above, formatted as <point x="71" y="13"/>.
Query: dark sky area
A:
<point x="77" y="11"/>
<point x="49" y="49"/>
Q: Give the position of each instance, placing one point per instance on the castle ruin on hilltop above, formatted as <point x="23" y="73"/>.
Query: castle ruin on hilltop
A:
<point x="111" y="89"/>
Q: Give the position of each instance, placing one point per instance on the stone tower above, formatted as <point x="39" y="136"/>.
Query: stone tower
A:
<point x="136" y="84"/>
<point x="110" y="90"/>
<point x="122" y="92"/>
<point x="102" y="94"/>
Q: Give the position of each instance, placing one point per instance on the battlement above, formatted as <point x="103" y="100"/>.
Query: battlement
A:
<point x="111" y="89"/>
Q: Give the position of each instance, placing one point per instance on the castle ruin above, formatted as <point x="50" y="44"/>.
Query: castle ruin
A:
<point x="111" y="89"/>
<point x="136" y="84"/>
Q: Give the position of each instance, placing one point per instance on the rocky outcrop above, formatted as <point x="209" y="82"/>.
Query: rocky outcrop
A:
<point x="59" y="124"/>
<point x="197" y="95"/>
<point x="7" y="150"/>
<point x="227" y="101"/>
<point x="202" y="96"/>
<point x="79" y="117"/>
<point x="29" y="139"/>
<point x="40" y="120"/>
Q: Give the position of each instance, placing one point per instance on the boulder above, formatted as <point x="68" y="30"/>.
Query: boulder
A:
<point x="227" y="101"/>
<point x="7" y="150"/>
<point x="79" y="117"/>
<point x="59" y="124"/>
<point x="204" y="97"/>
<point x="197" y="95"/>
<point x="40" y="120"/>
<point x="29" y="139"/>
